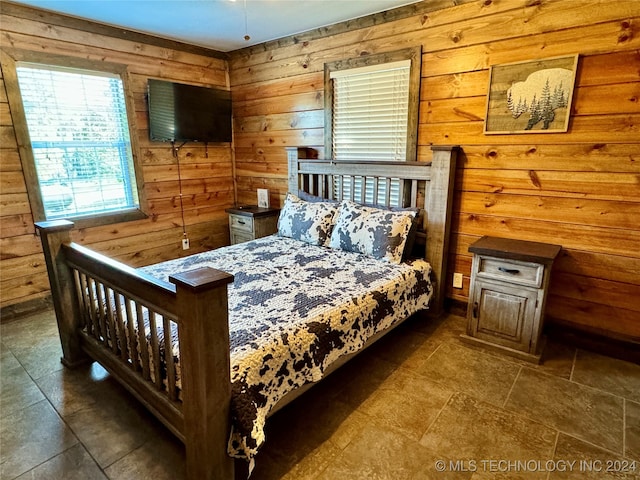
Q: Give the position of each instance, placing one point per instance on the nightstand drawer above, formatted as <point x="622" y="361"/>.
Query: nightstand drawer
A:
<point x="512" y="271"/>
<point x="241" y="223"/>
<point x="237" y="237"/>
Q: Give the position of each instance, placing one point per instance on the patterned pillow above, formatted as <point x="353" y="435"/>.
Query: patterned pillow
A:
<point x="306" y="221"/>
<point x="377" y="233"/>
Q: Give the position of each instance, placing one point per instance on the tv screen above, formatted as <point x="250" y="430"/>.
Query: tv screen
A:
<point x="189" y="113"/>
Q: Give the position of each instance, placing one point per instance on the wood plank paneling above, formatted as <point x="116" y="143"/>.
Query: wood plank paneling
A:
<point x="620" y="186"/>
<point x="580" y="189"/>
<point x="207" y="172"/>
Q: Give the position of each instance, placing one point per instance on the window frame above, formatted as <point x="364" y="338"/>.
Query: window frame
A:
<point x="414" y="55"/>
<point x="8" y="59"/>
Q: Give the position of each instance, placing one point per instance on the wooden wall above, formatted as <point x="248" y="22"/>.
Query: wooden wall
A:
<point x="207" y="181"/>
<point x="580" y="189"/>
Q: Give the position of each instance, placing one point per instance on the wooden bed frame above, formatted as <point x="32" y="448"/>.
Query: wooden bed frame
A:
<point x="197" y="302"/>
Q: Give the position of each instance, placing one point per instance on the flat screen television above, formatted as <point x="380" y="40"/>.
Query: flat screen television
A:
<point x="188" y="113"/>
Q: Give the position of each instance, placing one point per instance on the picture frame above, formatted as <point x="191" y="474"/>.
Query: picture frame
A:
<point x="263" y="198"/>
<point x="531" y="97"/>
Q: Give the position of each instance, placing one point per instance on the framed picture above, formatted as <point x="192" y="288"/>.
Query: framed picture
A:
<point x="531" y="97"/>
<point x="263" y="198"/>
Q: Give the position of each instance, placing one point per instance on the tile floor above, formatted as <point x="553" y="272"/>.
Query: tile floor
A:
<point x="417" y="397"/>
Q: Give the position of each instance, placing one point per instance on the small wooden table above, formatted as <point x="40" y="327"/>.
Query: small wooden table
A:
<point x="251" y="222"/>
<point x="509" y="284"/>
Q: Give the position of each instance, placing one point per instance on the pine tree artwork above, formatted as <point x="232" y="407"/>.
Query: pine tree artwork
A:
<point x="531" y="97"/>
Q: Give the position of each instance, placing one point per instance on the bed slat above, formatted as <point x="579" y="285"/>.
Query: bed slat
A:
<point x="142" y="342"/>
<point x="155" y="349"/>
<point x="168" y="358"/>
<point x="112" y="329"/>
<point x="85" y="301"/>
<point x="133" y="345"/>
<point x="125" y="353"/>
<point x="93" y="309"/>
<point x="414" y="193"/>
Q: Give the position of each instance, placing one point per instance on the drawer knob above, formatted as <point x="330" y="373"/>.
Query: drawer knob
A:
<point x="241" y="222"/>
<point x="512" y="271"/>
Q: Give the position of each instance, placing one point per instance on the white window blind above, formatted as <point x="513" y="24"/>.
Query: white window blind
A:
<point x="79" y="133"/>
<point x="370" y="109"/>
<point x="370" y="114"/>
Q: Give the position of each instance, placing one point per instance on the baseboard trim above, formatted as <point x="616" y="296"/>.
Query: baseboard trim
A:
<point x="622" y="348"/>
<point x="628" y="350"/>
<point x="22" y="309"/>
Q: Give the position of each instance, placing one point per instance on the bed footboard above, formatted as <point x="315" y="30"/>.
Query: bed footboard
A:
<point x="137" y="327"/>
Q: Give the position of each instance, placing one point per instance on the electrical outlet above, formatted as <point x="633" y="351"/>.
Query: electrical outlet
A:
<point x="185" y="244"/>
<point x="457" y="280"/>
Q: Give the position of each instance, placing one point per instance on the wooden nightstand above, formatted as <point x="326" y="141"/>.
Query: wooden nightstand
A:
<point x="248" y="223"/>
<point x="509" y="283"/>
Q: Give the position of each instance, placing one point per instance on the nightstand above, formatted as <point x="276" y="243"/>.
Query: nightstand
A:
<point x="509" y="285"/>
<point x="249" y="223"/>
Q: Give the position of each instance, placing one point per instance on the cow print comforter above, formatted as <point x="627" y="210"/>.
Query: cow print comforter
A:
<point x="294" y="308"/>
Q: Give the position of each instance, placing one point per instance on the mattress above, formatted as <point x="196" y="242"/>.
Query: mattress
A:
<point x="294" y="308"/>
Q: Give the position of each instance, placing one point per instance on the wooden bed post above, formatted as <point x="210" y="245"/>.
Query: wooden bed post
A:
<point x="54" y="234"/>
<point x="443" y="168"/>
<point x="292" y="161"/>
<point x="206" y="380"/>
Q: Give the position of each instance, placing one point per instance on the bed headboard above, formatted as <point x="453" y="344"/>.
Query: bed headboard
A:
<point x="418" y="184"/>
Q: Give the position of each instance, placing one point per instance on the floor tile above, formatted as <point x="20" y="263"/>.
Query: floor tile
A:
<point x="417" y="396"/>
<point x="384" y="454"/>
<point x="72" y="464"/>
<point x="319" y="427"/>
<point x="288" y="464"/>
<point x="17" y="389"/>
<point x="113" y="427"/>
<point x="397" y="346"/>
<point x="587" y="413"/>
<point x="608" y="374"/>
<point x="407" y="402"/>
<point x="160" y="458"/>
<point x="583" y="461"/>
<point x="632" y="431"/>
<point x="104" y="416"/>
<point x="336" y="423"/>
<point x="35" y="343"/>
<point x="480" y="375"/>
<point x="356" y="381"/>
<point x="29" y="330"/>
<point x="31" y="436"/>
<point x="70" y="390"/>
<point x="557" y="359"/>
<point x="473" y="431"/>
<point x="40" y="359"/>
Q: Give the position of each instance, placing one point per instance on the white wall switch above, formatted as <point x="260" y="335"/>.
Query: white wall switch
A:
<point x="457" y="280"/>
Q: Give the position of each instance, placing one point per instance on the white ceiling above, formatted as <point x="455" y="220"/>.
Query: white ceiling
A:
<point x="218" y="24"/>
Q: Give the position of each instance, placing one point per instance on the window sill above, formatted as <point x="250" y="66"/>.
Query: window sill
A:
<point x="108" y="218"/>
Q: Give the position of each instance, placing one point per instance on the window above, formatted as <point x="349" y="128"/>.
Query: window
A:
<point x="72" y="122"/>
<point x="371" y="106"/>
<point x="79" y="133"/>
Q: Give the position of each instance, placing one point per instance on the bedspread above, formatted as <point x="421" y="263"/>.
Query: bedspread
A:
<point x="294" y="308"/>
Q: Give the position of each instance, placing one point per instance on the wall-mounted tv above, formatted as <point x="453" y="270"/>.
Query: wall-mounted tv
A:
<point x="188" y="113"/>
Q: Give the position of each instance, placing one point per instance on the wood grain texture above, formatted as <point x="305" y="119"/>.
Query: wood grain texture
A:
<point x="207" y="172"/>
<point x="580" y="189"/>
